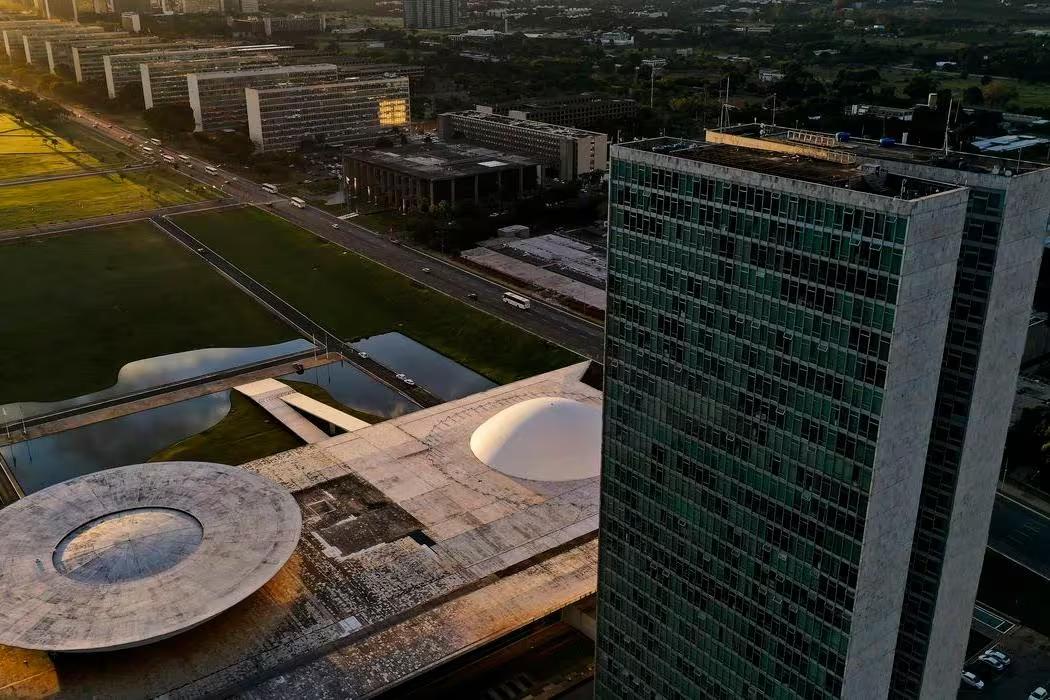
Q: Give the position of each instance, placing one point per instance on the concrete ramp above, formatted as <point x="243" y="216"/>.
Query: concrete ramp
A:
<point x="287" y="405"/>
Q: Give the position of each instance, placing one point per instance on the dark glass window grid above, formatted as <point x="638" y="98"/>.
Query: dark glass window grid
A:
<point x="656" y="466"/>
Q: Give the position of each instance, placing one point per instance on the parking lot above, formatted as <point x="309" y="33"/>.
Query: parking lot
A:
<point x="1030" y="668"/>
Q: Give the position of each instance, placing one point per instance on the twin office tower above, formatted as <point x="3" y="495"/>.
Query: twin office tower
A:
<point x="811" y="355"/>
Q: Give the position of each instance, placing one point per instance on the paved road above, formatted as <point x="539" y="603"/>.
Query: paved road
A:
<point x="567" y="329"/>
<point x="1022" y="534"/>
<point x="321" y="336"/>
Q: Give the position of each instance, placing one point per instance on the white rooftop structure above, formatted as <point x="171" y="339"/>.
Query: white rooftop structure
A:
<point x="133" y="555"/>
<point x="542" y="439"/>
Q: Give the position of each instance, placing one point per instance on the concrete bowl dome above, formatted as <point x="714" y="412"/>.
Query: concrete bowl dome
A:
<point x="544" y="439"/>
<point x="136" y="554"/>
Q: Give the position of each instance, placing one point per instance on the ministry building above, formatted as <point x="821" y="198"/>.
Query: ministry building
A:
<point x="812" y="349"/>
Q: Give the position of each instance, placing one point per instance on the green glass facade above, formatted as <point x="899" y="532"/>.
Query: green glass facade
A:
<point x="748" y="333"/>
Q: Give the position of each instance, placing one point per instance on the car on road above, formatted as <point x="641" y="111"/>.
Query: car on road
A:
<point x="335" y="225"/>
<point x="408" y="381"/>
<point x="395" y="241"/>
<point x="401" y="375"/>
<point x="1039" y="693"/>
<point x="426" y="269"/>
<point x="362" y="354"/>
<point x="472" y="295"/>
<point x="971" y="680"/>
<point x="201" y="251"/>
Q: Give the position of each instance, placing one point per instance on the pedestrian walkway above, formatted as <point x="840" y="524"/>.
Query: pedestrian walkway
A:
<point x="288" y="406"/>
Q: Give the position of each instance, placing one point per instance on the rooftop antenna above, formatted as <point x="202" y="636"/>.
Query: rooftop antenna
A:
<point x="947" y="123"/>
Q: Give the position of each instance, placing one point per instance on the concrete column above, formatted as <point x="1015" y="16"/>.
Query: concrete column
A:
<point x="476" y="189"/>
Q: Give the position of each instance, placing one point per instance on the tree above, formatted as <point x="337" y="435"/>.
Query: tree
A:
<point x="170" y="118"/>
<point x="919" y="87"/>
<point x="998" y="93"/>
<point x="973" y="96"/>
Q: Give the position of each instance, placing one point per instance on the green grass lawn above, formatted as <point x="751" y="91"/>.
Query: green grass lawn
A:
<point x="248" y="432"/>
<point x="80" y="305"/>
<point x="27" y="150"/>
<point x="355" y="297"/>
<point x="55" y="201"/>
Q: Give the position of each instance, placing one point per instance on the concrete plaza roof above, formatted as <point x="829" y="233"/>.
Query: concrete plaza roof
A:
<point x="129" y="556"/>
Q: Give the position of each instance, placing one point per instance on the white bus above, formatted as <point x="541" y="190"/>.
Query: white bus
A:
<point x="270" y="188"/>
<point x="298" y="202"/>
<point x="155" y="141"/>
<point x="147" y="149"/>
<point x="169" y="159"/>
<point x="184" y="158"/>
<point x="516" y="300"/>
<point x="211" y="170"/>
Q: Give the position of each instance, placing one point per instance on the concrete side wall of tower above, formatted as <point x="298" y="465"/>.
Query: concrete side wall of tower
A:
<point x="1016" y="270"/>
<point x="917" y="345"/>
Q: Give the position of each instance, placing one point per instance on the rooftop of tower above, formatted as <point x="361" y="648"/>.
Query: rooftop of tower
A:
<point x="831" y="171"/>
<point x="849" y="148"/>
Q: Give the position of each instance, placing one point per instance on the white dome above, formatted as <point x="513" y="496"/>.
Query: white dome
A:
<point x="544" y="439"/>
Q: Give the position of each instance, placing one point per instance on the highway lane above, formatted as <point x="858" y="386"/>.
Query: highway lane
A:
<point x="562" y="327"/>
<point x="317" y="333"/>
<point x="1022" y="534"/>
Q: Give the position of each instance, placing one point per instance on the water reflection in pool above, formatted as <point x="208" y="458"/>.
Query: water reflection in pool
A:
<point x="444" y="378"/>
<point x="158" y="371"/>
<point x="111" y="443"/>
<point x="352" y="387"/>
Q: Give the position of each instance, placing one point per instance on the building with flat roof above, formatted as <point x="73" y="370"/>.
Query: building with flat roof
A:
<point x="433" y="14"/>
<point x="415" y="537"/>
<point x="583" y="111"/>
<point x="803" y="427"/>
<point x="59" y="50"/>
<point x="411" y="176"/>
<point x="34" y="41"/>
<point x="87" y="55"/>
<point x="269" y="25"/>
<point x="14" y="46"/>
<point x="567" y="152"/>
<point x="218" y="99"/>
<point x="165" y="83"/>
<point x="341" y="112"/>
<point x="122" y="69"/>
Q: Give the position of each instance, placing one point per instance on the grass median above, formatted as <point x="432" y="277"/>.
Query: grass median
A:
<point x="355" y="297"/>
<point x="80" y="305"/>
<point x="55" y="201"/>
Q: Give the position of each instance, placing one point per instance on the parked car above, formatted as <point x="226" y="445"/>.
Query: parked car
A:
<point x="992" y="662"/>
<point x="1039" y="693"/>
<point x="971" y="680"/>
<point x="999" y="655"/>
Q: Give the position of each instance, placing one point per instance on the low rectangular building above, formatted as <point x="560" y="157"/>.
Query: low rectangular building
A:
<point x="87" y="56"/>
<point x="348" y="111"/>
<point x="165" y="83"/>
<point x="13" y="44"/>
<point x="34" y="41"/>
<point x="123" y="69"/>
<point x="218" y="99"/>
<point x="427" y="174"/>
<point x="566" y="151"/>
<point x="60" y="49"/>
<point x="584" y="111"/>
